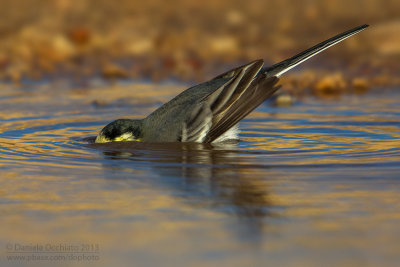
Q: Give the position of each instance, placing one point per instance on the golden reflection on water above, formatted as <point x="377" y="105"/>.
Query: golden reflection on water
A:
<point x="318" y="219"/>
<point x="302" y="188"/>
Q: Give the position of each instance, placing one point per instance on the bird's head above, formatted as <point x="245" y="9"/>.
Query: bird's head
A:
<point x="121" y="130"/>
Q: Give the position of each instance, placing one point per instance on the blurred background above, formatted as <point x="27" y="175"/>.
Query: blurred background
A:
<point x="191" y="40"/>
<point x="312" y="182"/>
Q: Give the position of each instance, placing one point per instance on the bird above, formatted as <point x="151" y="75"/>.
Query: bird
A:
<point x="210" y="112"/>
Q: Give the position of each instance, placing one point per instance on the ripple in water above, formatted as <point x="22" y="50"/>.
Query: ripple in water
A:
<point x="317" y="178"/>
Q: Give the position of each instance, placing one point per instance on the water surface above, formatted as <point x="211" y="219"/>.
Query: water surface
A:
<point x="313" y="184"/>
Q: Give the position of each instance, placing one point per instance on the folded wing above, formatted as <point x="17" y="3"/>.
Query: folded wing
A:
<point x="223" y="108"/>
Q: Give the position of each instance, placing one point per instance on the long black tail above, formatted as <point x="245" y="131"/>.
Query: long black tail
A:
<point x="282" y="67"/>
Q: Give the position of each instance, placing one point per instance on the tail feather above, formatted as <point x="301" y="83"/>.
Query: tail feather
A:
<point x="282" y="67"/>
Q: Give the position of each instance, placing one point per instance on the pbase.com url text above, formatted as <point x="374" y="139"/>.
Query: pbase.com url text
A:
<point x="56" y="257"/>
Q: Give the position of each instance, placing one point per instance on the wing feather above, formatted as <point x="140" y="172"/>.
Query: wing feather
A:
<point x="260" y="90"/>
<point x="223" y="108"/>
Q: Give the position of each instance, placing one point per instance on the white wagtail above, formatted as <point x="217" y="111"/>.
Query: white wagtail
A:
<point x="210" y="111"/>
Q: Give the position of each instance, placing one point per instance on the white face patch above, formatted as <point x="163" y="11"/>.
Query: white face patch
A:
<point x="125" y="137"/>
<point x="101" y="139"/>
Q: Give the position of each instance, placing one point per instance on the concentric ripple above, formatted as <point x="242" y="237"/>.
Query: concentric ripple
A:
<point x="318" y="180"/>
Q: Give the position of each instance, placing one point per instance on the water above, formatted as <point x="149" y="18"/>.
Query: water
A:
<point x="308" y="185"/>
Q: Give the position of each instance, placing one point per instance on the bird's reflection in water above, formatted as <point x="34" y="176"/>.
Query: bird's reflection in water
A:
<point x="206" y="175"/>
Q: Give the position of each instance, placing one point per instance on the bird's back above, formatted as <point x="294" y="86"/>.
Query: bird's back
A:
<point x="165" y="123"/>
